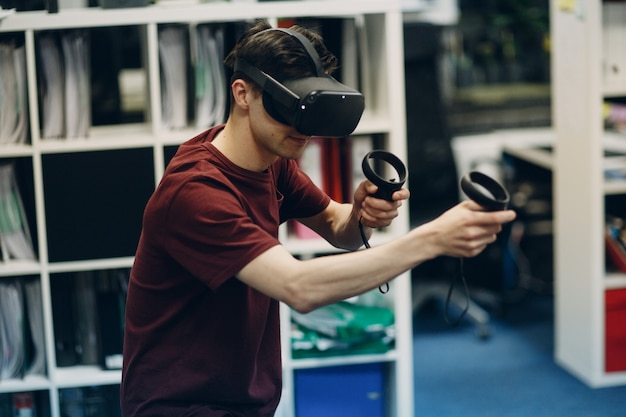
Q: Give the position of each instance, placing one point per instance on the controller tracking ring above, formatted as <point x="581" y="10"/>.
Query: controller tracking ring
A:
<point x="386" y="188"/>
<point x="474" y="184"/>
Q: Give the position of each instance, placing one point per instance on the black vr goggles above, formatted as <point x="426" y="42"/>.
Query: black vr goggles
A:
<point x="314" y="106"/>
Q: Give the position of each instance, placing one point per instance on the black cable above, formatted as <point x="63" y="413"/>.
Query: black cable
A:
<point x="460" y="275"/>
<point x="383" y="289"/>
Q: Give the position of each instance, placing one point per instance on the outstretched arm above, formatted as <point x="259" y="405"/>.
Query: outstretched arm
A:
<point x="462" y="231"/>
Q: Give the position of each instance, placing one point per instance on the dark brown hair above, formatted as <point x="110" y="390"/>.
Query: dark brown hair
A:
<point x="278" y="54"/>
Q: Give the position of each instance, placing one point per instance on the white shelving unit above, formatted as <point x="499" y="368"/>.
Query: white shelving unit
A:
<point x="385" y="118"/>
<point x="582" y="76"/>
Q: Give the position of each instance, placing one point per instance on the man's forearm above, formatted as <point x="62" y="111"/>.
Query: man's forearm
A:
<point x="348" y="233"/>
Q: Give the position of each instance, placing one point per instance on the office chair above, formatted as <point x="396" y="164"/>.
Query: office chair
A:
<point x="433" y="177"/>
<point x="424" y="291"/>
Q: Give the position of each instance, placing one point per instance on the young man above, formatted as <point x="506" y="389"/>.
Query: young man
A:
<point x="202" y="318"/>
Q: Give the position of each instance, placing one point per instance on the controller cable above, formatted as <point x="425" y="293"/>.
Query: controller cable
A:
<point x="460" y="275"/>
<point x="477" y="186"/>
<point x="384" y="289"/>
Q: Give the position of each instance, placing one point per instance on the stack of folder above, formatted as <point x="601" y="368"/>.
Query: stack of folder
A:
<point x="13" y="102"/>
<point x="15" y="237"/>
<point x="21" y="329"/>
<point x="174" y="57"/>
<point x="335" y="166"/>
<point x="66" y="85"/>
<point x="206" y="55"/>
<point x="210" y="76"/>
<point x="88" y="317"/>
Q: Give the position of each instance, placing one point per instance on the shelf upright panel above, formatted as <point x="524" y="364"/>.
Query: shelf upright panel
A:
<point x="154" y="95"/>
<point x="44" y="276"/>
<point x="393" y="100"/>
<point x="578" y="199"/>
<point x="579" y="194"/>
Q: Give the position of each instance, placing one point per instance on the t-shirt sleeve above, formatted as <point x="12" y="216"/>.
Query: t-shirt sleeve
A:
<point x="302" y="198"/>
<point x="211" y="235"/>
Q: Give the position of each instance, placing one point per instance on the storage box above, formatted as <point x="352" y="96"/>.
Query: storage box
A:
<point x="341" y="391"/>
<point x="615" y="332"/>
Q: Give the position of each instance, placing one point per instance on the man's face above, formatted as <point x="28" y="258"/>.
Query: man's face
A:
<point x="272" y="136"/>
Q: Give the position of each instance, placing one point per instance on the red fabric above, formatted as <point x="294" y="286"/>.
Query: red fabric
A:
<point x="198" y="341"/>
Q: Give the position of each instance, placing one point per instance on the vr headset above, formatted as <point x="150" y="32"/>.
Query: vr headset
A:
<point x="314" y="106"/>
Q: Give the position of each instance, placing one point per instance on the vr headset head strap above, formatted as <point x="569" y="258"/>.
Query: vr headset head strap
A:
<point x="279" y="92"/>
<point x="270" y="84"/>
<point x="308" y="46"/>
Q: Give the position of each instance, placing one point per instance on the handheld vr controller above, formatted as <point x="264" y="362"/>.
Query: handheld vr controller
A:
<point x="479" y="187"/>
<point x="492" y="196"/>
<point x="386" y="188"/>
<point x="485" y="191"/>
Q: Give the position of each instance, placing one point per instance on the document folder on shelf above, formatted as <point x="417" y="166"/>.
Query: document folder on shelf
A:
<point x="77" y="85"/>
<point x="13" y="103"/>
<point x="11" y="330"/>
<point x="15" y="238"/>
<point x="66" y="85"/>
<point x="173" y="54"/>
<point x="52" y="87"/>
<point x="210" y="76"/>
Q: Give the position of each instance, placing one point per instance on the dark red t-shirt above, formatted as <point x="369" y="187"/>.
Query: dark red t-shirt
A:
<point x="198" y="341"/>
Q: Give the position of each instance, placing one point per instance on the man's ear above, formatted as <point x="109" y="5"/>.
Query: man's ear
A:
<point x="241" y="92"/>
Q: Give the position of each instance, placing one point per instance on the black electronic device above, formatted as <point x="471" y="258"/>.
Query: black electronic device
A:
<point x="386" y="188"/>
<point x="485" y="191"/>
<point x="314" y="106"/>
<point x="492" y="196"/>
